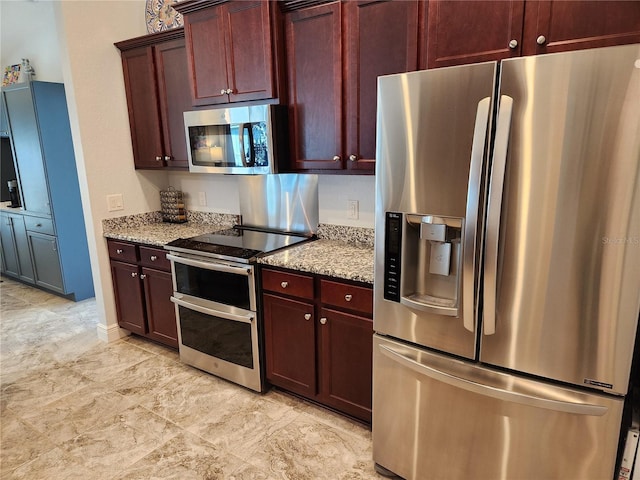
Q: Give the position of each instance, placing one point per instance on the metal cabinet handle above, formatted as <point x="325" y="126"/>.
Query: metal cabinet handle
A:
<point x="38" y="224"/>
<point x="158" y="159"/>
<point x="167" y="158"/>
<point x="153" y="258"/>
<point x="229" y="91"/>
<point x="143" y="276"/>
<point x="223" y="91"/>
<point x="353" y="158"/>
<point x="323" y="320"/>
<point x="513" y="44"/>
<point x="307" y="316"/>
<point x="348" y="297"/>
<point x="284" y="284"/>
<point x="336" y="158"/>
<point x="119" y="251"/>
<point x="541" y="40"/>
<point x="134" y="274"/>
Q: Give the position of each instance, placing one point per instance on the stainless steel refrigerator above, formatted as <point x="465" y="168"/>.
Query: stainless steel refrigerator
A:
<point x="507" y="271"/>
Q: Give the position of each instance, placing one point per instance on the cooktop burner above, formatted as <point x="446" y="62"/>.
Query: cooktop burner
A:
<point x="237" y="243"/>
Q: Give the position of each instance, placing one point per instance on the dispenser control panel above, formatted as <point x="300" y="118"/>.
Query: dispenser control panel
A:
<point x="392" y="256"/>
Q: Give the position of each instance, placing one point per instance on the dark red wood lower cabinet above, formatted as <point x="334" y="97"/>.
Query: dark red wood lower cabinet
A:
<point x="161" y="317"/>
<point x="290" y="344"/>
<point x="346" y="356"/>
<point x="129" y="297"/>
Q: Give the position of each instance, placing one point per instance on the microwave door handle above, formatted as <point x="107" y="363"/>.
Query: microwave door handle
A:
<point x="494" y="209"/>
<point x="219" y="267"/>
<point x="243" y="156"/>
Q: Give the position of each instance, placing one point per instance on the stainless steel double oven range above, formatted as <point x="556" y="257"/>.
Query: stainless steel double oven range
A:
<point x="216" y="293"/>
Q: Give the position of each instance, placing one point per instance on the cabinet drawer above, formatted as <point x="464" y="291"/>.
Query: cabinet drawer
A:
<point x="125" y="252"/>
<point x="41" y="225"/>
<point x="347" y="296"/>
<point x="288" y="283"/>
<point x="154" y="258"/>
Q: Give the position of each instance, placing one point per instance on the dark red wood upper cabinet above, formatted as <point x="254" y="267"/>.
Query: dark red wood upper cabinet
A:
<point x="558" y="26"/>
<point x="230" y="51"/>
<point x="314" y="74"/>
<point x="157" y="89"/>
<point x="461" y="32"/>
<point x="175" y="99"/>
<point x="381" y="38"/>
<point x="143" y="105"/>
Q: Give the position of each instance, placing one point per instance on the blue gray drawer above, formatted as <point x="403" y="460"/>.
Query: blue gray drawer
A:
<point x="42" y="225"/>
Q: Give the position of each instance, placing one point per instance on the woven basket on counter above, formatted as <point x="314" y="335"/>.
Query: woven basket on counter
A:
<point x="172" y="206"/>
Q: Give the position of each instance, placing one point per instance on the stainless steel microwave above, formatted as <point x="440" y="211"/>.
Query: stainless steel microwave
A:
<point x="237" y="140"/>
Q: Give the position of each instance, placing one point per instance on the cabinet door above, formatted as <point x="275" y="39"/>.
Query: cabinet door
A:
<point x="558" y="26"/>
<point x="249" y="51"/>
<point x="129" y="297"/>
<point x="175" y="99"/>
<point x="46" y="261"/>
<point x="290" y="344"/>
<point x="144" y="114"/>
<point x="28" y="152"/>
<point x="161" y="316"/>
<point x="9" y="249"/>
<point x="471" y="31"/>
<point x="207" y="56"/>
<point x="381" y="39"/>
<point x="346" y="362"/>
<point x="314" y="74"/>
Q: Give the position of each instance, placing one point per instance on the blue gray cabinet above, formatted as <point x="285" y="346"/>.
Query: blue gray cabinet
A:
<point x="53" y="219"/>
<point x="15" y="249"/>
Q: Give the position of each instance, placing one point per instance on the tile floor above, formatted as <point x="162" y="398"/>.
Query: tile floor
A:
<point x="73" y="407"/>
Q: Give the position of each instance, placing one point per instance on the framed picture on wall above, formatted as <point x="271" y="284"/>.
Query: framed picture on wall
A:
<point x="11" y="75"/>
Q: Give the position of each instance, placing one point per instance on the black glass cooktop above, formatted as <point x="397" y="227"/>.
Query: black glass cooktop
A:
<point x="237" y="243"/>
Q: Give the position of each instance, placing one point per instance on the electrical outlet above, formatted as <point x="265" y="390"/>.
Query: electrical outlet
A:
<point x="352" y="210"/>
<point x="115" y="202"/>
<point x="202" y="199"/>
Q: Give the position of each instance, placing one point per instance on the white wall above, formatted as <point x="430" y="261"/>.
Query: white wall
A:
<point x="28" y="31"/>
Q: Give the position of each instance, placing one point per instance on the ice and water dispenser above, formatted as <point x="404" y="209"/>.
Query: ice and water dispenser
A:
<point x="423" y="258"/>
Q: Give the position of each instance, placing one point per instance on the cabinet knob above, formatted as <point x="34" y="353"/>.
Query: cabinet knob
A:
<point x="119" y="251"/>
<point x="153" y="258"/>
<point x="134" y="274"/>
<point x="348" y="297"/>
<point x="167" y="158"/>
<point x="323" y="320"/>
<point x="541" y="40"/>
<point x="336" y="158"/>
<point x="353" y="158"/>
<point x="307" y="316"/>
<point x="513" y="44"/>
<point x="158" y="159"/>
<point x="38" y="224"/>
<point x="223" y="92"/>
<point x="229" y="91"/>
<point x="284" y="284"/>
<point x="143" y="276"/>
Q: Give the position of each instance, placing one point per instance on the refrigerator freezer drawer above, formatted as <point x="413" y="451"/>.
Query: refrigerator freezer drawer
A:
<point x="436" y="417"/>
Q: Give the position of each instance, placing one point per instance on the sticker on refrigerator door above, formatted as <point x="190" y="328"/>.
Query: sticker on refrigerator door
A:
<point x="596" y="383"/>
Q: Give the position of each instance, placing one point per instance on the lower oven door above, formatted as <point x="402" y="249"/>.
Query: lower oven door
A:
<point x="219" y="339"/>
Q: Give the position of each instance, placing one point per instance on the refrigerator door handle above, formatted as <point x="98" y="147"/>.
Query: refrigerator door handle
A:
<point x="471" y="215"/>
<point x="494" y="209"/>
<point x="491" y="391"/>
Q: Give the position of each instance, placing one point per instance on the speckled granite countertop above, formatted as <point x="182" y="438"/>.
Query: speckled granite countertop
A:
<point x="341" y="252"/>
<point x="149" y="229"/>
<point x="334" y="258"/>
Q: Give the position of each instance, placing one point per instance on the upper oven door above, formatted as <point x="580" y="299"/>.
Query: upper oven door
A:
<point x="230" y="140"/>
<point x="213" y="280"/>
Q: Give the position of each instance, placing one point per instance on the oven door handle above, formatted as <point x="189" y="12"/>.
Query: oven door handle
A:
<point x="210" y="311"/>
<point x="219" y="267"/>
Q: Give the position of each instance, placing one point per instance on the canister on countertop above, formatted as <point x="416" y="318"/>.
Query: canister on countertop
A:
<point x="172" y="206"/>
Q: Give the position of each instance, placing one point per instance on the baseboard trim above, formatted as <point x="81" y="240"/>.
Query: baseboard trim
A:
<point x="111" y="333"/>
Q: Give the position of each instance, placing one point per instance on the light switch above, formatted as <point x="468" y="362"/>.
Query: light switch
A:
<point x="115" y="202"/>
